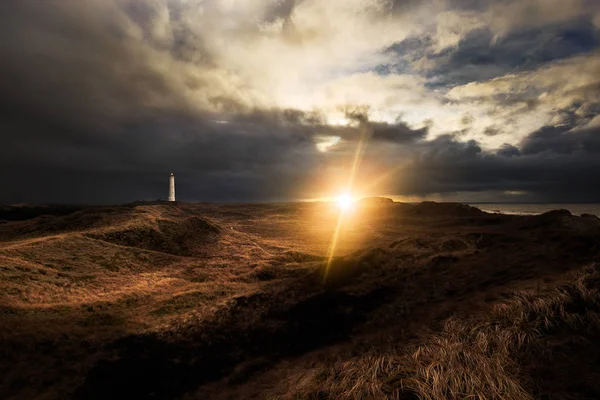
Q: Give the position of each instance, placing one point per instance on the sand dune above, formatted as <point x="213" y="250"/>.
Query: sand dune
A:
<point x="207" y="301"/>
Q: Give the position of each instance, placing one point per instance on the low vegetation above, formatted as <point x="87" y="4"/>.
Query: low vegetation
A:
<point x="433" y="301"/>
<point x="538" y="344"/>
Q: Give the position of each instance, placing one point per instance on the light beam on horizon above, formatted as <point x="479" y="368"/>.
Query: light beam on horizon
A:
<point x="345" y="201"/>
<point x="358" y="156"/>
<point x="382" y="178"/>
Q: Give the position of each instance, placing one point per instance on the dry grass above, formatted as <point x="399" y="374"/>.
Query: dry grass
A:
<point x="503" y="354"/>
<point x="227" y="302"/>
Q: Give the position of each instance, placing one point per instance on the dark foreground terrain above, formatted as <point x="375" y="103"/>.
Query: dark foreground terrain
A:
<point x="202" y="301"/>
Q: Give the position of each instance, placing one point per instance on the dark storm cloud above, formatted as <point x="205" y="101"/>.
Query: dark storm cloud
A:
<point x="398" y="132"/>
<point x="108" y="125"/>
<point x="508" y="150"/>
<point x="66" y="63"/>
<point x="480" y="40"/>
<point x="447" y="166"/>
<point x="100" y="101"/>
<point x="561" y="140"/>
<point x="88" y="116"/>
<point x="216" y="160"/>
<point x="478" y="57"/>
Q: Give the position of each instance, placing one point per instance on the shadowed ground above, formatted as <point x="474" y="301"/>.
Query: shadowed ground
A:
<point x="198" y="301"/>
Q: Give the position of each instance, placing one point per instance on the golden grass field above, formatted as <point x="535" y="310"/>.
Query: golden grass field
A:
<point x="208" y="301"/>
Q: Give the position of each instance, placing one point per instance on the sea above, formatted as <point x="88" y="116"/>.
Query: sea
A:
<point x="538" y="208"/>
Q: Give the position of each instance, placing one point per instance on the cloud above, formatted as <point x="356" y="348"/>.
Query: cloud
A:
<point x="507" y="16"/>
<point x="562" y="140"/>
<point x="508" y="150"/>
<point x="399" y="132"/>
<point x="447" y="167"/>
<point x="101" y="99"/>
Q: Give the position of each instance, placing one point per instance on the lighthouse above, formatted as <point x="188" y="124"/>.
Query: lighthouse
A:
<point x="172" y="187"/>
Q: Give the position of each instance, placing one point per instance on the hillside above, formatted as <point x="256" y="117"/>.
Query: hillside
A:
<point x="208" y="301"/>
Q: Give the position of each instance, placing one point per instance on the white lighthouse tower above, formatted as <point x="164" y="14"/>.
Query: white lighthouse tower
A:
<point x="172" y="187"/>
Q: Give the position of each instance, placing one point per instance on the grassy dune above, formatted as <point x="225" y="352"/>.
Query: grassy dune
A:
<point x="204" y="301"/>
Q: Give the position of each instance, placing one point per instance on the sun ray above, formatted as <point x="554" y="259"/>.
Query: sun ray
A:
<point x="381" y="178"/>
<point x="345" y="201"/>
<point x="333" y="245"/>
<point x="358" y="156"/>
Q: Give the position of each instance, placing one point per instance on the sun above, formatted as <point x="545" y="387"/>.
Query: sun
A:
<point x="345" y="201"/>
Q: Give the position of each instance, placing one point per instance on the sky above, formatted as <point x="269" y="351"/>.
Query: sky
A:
<point x="269" y="100"/>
